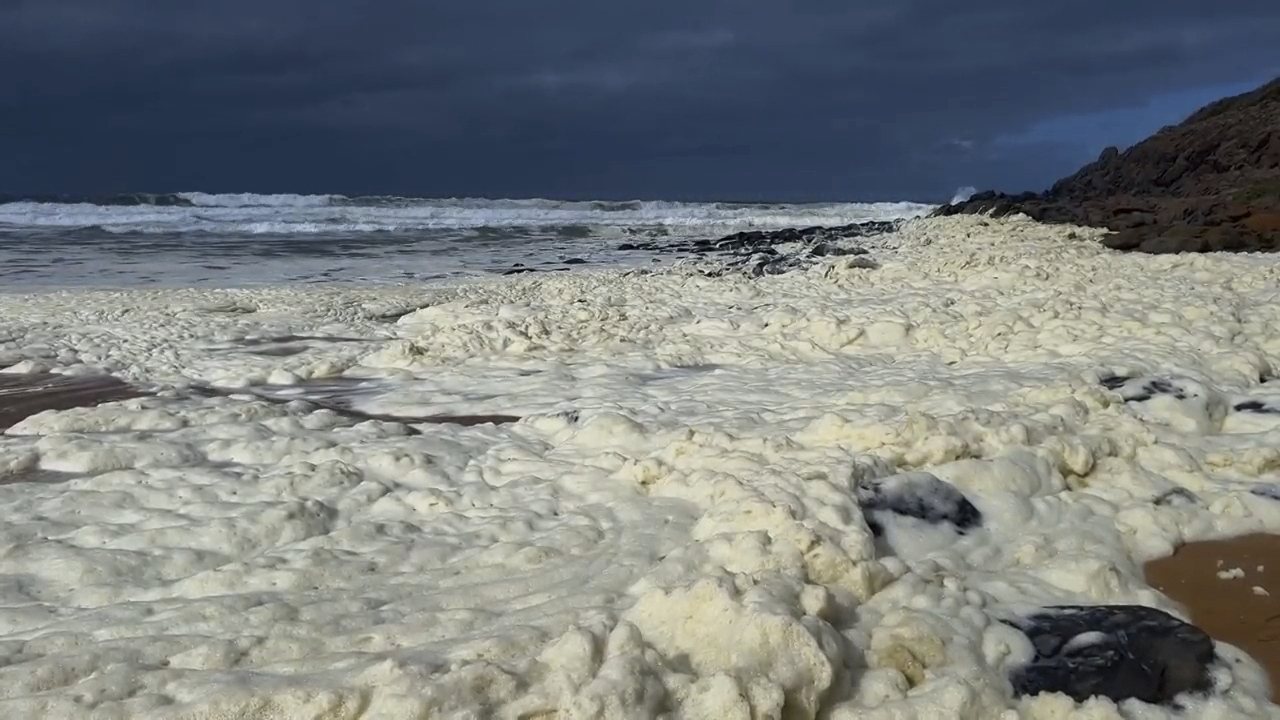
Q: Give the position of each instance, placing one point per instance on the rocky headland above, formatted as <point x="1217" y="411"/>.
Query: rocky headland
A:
<point x="1210" y="183"/>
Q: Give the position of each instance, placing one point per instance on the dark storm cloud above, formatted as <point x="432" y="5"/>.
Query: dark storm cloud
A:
<point x="705" y="98"/>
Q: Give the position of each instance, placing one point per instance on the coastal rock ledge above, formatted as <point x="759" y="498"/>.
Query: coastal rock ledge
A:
<point x="1211" y="183"/>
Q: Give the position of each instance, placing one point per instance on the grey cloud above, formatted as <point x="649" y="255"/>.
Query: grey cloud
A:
<point x="698" y="98"/>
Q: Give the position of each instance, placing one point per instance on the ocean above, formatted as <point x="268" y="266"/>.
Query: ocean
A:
<point x="328" y="457"/>
<point x="236" y="240"/>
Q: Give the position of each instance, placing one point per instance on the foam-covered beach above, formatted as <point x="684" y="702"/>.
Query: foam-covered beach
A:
<point x="834" y="492"/>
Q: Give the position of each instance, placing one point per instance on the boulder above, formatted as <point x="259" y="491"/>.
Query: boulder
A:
<point x="1120" y="652"/>
<point x="919" y="495"/>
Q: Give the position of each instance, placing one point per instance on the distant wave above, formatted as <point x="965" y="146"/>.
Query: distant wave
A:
<point x="112" y="200"/>
<point x="182" y="199"/>
<point x="247" y="213"/>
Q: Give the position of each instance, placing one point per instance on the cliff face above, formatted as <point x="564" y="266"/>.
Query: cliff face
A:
<point x="1209" y="183"/>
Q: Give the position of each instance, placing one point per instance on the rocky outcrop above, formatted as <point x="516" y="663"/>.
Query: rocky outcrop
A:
<point x="1114" y="651"/>
<point x="769" y="252"/>
<point x="1210" y="183"/>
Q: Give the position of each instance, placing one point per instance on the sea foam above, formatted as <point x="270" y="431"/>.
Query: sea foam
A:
<point x="676" y="526"/>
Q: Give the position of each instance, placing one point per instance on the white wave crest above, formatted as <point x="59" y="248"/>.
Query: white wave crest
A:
<point x="319" y="214"/>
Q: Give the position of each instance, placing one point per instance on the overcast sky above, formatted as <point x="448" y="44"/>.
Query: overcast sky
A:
<point x="688" y="99"/>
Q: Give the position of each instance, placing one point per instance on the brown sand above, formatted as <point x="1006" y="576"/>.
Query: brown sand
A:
<point x="1229" y="609"/>
<point x="24" y="395"/>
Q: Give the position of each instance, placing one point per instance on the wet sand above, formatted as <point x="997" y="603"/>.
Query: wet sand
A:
<point x="1216" y="582"/>
<point x="24" y="395"/>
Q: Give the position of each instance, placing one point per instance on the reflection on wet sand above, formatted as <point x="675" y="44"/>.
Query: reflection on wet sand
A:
<point x="24" y="395"/>
<point x="1232" y="590"/>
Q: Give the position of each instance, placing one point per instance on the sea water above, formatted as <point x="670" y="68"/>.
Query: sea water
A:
<point x="199" y="239"/>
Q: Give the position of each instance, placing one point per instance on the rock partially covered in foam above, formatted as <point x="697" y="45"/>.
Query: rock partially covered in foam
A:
<point x="1192" y="406"/>
<point x="918" y="495"/>
<point x="1180" y="402"/>
<point x="1260" y="407"/>
<point x="1134" y="389"/>
<point x="773" y="252"/>
<point x="1114" y="651"/>
<point x="1271" y="491"/>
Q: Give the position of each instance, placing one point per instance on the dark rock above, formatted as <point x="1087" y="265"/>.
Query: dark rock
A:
<point x="769" y="252"/>
<point x="1158" y="387"/>
<point x="1270" y="491"/>
<point x="825" y="250"/>
<point x="1256" y="406"/>
<point x="1114" y="382"/>
<point x="1114" y="651"/>
<point x="1209" y="184"/>
<point x="1126" y="218"/>
<point x="917" y="495"/>
<point x="1176" y="497"/>
<point x="575" y="261"/>
<point x="1139" y="390"/>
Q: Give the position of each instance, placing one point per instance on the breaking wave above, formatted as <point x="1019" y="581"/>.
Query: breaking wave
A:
<point x="246" y="213"/>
